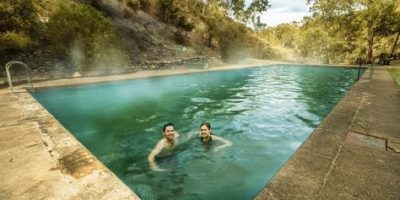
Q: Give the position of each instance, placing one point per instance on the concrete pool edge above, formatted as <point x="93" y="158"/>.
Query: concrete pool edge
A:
<point x="329" y="165"/>
<point x="42" y="160"/>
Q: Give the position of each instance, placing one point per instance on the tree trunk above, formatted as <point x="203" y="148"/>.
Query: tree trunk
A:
<point x="394" y="45"/>
<point x="370" y="39"/>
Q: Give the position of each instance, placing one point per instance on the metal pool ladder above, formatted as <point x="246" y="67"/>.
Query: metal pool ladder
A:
<point x="27" y="68"/>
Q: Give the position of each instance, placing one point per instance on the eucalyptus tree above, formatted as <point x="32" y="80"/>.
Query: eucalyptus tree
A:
<point x="244" y="11"/>
<point x="247" y="11"/>
<point x="313" y="39"/>
<point x="216" y="16"/>
<point x="287" y="34"/>
<point x="396" y="29"/>
<point x="373" y="18"/>
<point x="392" y="52"/>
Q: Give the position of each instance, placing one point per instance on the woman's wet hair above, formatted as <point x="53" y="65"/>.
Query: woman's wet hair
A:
<point x="207" y="124"/>
<point x="168" y="124"/>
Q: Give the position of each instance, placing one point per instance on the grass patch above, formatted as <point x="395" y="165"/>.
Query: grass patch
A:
<point x="395" y="72"/>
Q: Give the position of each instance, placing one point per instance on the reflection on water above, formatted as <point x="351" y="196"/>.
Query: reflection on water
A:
<point x="266" y="112"/>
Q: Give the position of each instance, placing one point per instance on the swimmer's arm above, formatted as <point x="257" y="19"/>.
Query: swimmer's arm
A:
<point x="152" y="156"/>
<point x="225" y="141"/>
<point x="187" y="137"/>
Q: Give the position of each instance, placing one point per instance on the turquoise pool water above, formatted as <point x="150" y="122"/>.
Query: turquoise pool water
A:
<point x="266" y="112"/>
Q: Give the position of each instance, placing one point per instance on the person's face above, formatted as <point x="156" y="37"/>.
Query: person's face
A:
<point x="204" y="131"/>
<point x="169" y="132"/>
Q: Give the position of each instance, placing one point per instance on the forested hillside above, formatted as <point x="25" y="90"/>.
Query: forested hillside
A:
<point x="104" y="34"/>
<point x="343" y="31"/>
<point x="108" y="35"/>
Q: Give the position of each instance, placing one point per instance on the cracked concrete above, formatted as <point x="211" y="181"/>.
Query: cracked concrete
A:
<point x="354" y="153"/>
<point x="393" y="145"/>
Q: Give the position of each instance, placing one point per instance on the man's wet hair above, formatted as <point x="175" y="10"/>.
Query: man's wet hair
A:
<point x="168" y="124"/>
<point x="207" y="124"/>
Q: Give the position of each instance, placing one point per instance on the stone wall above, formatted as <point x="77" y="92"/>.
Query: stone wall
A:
<point x="45" y="68"/>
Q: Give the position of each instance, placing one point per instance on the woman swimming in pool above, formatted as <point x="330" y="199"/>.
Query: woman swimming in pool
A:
<point x="206" y="137"/>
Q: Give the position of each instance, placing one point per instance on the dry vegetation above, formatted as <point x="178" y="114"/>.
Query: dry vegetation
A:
<point x="102" y="34"/>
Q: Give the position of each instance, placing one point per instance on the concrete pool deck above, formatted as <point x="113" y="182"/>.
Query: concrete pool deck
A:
<point x="39" y="159"/>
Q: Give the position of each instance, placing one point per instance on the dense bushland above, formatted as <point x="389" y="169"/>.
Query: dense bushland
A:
<point x="84" y="34"/>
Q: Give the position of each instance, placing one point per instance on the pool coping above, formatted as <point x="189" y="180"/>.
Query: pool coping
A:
<point x="61" y="148"/>
<point x="71" y="82"/>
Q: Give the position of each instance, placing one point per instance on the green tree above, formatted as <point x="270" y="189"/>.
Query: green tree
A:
<point x="18" y="24"/>
<point x="256" y="8"/>
<point x="213" y="20"/>
<point x="233" y="41"/>
<point x="287" y="34"/>
<point x="82" y="32"/>
<point x="245" y="11"/>
<point x="377" y="18"/>
<point x="176" y="12"/>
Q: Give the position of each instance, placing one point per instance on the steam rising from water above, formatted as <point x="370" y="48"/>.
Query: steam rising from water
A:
<point x="107" y="59"/>
<point x="76" y="54"/>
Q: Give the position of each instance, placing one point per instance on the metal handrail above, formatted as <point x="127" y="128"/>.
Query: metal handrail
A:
<point x="27" y="68"/>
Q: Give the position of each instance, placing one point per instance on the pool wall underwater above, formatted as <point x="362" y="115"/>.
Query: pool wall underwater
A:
<point x="306" y="173"/>
<point x="57" y="143"/>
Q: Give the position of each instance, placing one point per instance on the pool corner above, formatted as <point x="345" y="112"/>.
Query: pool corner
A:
<point x="42" y="160"/>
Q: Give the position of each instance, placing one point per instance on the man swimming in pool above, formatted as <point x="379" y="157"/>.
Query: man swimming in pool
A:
<point x="206" y="136"/>
<point x="169" y="142"/>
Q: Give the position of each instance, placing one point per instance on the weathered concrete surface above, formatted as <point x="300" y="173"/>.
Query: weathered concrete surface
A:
<point x="329" y="166"/>
<point x="39" y="159"/>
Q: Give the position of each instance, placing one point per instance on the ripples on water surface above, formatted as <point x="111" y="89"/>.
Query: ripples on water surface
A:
<point x="267" y="113"/>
